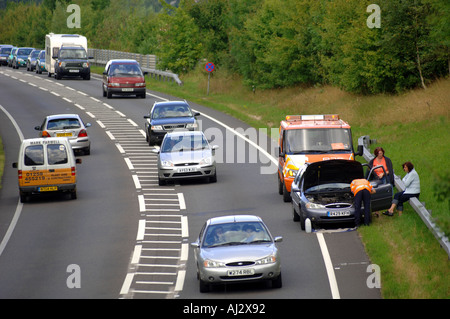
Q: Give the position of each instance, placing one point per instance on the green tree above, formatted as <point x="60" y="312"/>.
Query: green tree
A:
<point x="178" y="45"/>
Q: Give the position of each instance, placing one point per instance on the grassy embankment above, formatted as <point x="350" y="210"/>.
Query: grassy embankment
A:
<point x="413" y="126"/>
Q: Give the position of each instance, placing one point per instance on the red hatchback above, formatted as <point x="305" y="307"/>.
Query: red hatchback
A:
<point x="123" y="77"/>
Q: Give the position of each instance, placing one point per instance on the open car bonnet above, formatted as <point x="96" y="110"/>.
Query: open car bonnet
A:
<point x="332" y="171"/>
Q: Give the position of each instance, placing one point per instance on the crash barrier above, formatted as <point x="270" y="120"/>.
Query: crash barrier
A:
<point x="147" y="62"/>
<point x="418" y="206"/>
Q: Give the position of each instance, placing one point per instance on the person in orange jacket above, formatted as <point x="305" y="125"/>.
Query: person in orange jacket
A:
<point x="362" y="190"/>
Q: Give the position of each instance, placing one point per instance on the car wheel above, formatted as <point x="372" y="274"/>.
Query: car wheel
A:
<point x="23" y="197"/>
<point x="73" y="194"/>
<point x="204" y="287"/>
<point x="280" y="184"/>
<point x="150" y="141"/>
<point x="161" y="182"/>
<point x="286" y="195"/>
<point x="302" y="221"/>
<point x="103" y="91"/>
<point x="213" y="179"/>
<point x="295" y="216"/>
<point x="277" y="282"/>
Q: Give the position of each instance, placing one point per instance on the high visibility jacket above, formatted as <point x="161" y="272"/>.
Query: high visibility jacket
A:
<point x="360" y="184"/>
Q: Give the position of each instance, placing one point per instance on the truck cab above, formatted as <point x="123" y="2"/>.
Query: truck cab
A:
<point x="310" y="138"/>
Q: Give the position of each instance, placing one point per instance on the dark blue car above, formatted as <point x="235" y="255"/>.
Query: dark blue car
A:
<point x="167" y="117"/>
<point x="5" y="51"/>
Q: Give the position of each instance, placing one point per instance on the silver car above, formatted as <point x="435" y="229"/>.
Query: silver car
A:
<point x="186" y="154"/>
<point x="237" y="248"/>
<point x="67" y="125"/>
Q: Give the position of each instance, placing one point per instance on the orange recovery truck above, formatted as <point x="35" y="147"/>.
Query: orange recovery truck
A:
<point x="311" y="138"/>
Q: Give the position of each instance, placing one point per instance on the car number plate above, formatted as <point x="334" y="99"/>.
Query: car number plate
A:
<point x="63" y="134"/>
<point x="338" y="213"/>
<point x="187" y="170"/>
<point x="48" y="189"/>
<point x="74" y="71"/>
<point x="241" y="272"/>
<point x="127" y="90"/>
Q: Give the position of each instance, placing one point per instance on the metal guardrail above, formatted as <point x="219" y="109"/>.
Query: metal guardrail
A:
<point x="418" y="206"/>
<point x="147" y="62"/>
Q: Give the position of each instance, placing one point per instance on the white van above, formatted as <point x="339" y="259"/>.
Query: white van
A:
<point x="46" y="165"/>
<point x="53" y="43"/>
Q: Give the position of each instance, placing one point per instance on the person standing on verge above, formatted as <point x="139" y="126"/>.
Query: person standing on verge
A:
<point x="386" y="162"/>
<point x="362" y="190"/>
<point x="412" y="189"/>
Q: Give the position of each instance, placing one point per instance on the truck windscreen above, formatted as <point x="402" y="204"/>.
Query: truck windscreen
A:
<point x="320" y="140"/>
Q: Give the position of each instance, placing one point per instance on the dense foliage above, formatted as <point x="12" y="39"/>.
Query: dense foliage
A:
<point x="271" y="43"/>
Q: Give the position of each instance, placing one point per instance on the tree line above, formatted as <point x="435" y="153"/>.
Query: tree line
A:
<point x="270" y="43"/>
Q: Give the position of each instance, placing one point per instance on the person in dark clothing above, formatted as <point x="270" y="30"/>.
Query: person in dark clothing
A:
<point x="362" y="190"/>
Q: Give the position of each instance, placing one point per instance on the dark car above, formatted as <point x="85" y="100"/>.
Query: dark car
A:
<point x="40" y="63"/>
<point x="321" y="192"/>
<point x="5" y="51"/>
<point x="31" y="60"/>
<point x="123" y="77"/>
<point x="20" y="58"/>
<point x="167" y="117"/>
<point x="72" y="61"/>
<point x="11" y="55"/>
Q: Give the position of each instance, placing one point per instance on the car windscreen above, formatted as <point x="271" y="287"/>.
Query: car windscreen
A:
<point x="34" y="155"/>
<point x="171" y="111"/>
<point x="24" y="51"/>
<point x="239" y="233"/>
<point x="6" y="50"/>
<point x="318" y="140"/>
<point x="34" y="54"/>
<point x="63" y="124"/>
<point x="184" y="143"/>
<point x="125" y="70"/>
<point x="56" y="154"/>
<point x="72" y="54"/>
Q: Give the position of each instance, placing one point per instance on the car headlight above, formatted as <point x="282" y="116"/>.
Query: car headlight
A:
<point x="314" y="206"/>
<point x="157" y="128"/>
<point x="166" y="163"/>
<point x="114" y="84"/>
<point x="85" y="64"/>
<point x="266" y="260"/>
<point x="191" y="125"/>
<point x="206" y="161"/>
<point x="213" y="264"/>
<point x="139" y="84"/>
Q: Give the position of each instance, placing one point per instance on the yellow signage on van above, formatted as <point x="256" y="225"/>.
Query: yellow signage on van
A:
<point x="46" y="165"/>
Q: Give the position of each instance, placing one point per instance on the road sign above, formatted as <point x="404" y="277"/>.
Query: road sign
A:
<point x="210" y="67"/>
